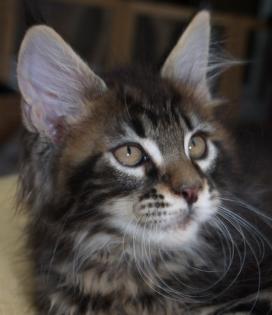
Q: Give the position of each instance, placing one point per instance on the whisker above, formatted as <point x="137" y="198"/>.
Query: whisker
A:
<point x="230" y="215"/>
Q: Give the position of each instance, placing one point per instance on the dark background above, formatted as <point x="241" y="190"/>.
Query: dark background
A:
<point x="107" y="33"/>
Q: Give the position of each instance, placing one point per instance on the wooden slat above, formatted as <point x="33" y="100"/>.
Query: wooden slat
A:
<point x="7" y="36"/>
<point x="231" y="83"/>
<point x="10" y="116"/>
<point x="121" y="37"/>
<point x="171" y="11"/>
<point x="183" y="13"/>
<point x="97" y="3"/>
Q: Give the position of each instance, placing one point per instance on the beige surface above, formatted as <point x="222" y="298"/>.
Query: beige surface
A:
<point x="14" y="281"/>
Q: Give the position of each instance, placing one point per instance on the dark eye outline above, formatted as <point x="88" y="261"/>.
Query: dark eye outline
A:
<point x="203" y="136"/>
<point x="145" y="157"/>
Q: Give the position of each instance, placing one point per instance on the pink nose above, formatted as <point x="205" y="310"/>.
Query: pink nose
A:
<point x="190" y="194"/>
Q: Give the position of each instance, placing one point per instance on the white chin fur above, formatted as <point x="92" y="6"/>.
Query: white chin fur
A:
<point x="177" y="238"/>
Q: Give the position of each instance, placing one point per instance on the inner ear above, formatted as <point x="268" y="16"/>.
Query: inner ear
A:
<point x="55" y="83"/>
<point x="188" y="61"/>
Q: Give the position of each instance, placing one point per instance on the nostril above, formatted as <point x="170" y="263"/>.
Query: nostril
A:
<point x="190" y="194"/>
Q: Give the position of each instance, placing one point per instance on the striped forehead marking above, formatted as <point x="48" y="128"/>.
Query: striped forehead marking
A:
<point x="153" y="150"/>
<point x="143" y="118"/>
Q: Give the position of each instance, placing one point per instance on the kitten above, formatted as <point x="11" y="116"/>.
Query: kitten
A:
<point x="133" y="187"/>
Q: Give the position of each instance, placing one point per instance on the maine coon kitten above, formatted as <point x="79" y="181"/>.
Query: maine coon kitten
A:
<point x="133" y="189"/>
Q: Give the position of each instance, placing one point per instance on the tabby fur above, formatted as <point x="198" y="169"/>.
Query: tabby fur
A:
<point x="100" y="234"/>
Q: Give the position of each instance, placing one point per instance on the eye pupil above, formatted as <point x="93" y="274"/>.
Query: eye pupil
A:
<point x="128" y="151"/>
<point x="192" y="144"/>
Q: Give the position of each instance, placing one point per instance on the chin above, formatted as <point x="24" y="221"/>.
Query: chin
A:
<point x="178" y="236"/>
<point x="181" y="234"/>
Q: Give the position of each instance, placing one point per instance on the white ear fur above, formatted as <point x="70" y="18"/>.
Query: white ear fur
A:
<point x="55" y="83"/>
<point x="188" y="61"/>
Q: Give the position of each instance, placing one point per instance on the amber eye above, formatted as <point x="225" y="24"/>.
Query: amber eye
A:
<point x="197" y="147"/>
<point x="130" y="155"/>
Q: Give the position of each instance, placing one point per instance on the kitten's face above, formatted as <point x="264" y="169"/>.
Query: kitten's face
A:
<point x="155" y="159"/>
<point x="140" y="154"/>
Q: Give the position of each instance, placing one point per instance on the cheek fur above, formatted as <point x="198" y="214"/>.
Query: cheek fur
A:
<point x="207" y="204"/>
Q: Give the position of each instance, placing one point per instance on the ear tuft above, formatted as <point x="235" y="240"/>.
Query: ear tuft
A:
<point x="55" y="83"/>
<point x="188" y="61"/>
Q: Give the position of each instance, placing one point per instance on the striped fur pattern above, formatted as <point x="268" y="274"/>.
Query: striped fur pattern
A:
<point x="110" y="239"/>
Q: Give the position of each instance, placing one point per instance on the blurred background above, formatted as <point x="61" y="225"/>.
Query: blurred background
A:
<point x="107" y="33"/>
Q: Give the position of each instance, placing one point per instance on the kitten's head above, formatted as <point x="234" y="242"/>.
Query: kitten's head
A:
<point x="138" y="153"/>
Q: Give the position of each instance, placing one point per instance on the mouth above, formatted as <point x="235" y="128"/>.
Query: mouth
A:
<point x="167" y="221"/>
<point x="179" y="223"/>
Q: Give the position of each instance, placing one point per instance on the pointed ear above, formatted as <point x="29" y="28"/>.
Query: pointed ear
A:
<point x="188" y="61"/>
<point x="55" y="83"/>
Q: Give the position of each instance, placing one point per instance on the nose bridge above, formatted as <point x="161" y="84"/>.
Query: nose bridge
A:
<point x="183" y="174"/>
